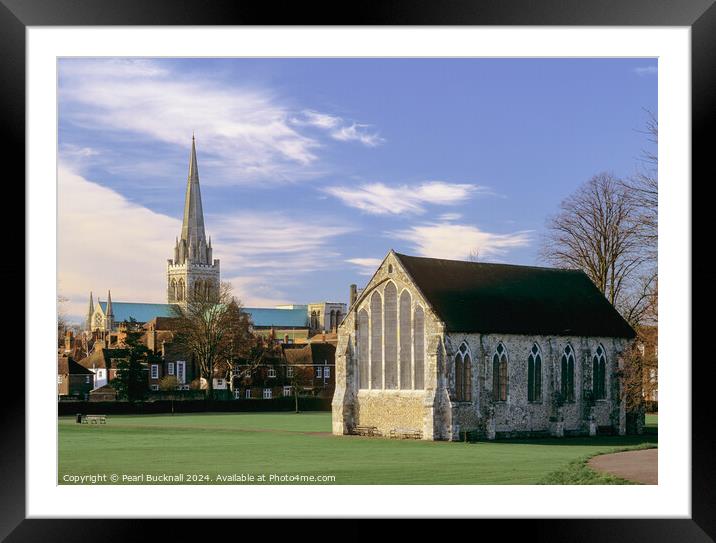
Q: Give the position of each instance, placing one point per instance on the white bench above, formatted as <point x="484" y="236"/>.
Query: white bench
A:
<point x="94" y="419"/>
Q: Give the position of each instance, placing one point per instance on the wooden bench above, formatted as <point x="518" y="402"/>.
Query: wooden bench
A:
<point x="406" y="433"/>
<point x="94" y="419"/>
<point x="370" y="431"/>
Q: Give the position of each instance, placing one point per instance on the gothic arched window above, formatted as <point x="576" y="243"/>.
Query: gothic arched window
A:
<point x="534" y="375"/>
<point x="499" y="373"/>
<point x="463" y="374"/>
<point x="419" y="348"/>
<point x="599" y="366"/>
<point x="390" y="311"/>
<point x="406" y="324"/>
<point x="567" y="367"/>
<point x="363" y="345"/>
<point x="376" y="341"/>
<point x="180" y="287"/>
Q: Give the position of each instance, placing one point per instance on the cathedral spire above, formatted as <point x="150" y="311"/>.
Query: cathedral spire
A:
<point x="192" y="230"/>
<point x="109" y="312"/>
<point x="193" y="267"/>
<point x="90" y="312"/>
<point x="109" y="315"/>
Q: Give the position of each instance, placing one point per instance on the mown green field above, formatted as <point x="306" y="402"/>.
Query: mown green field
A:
<point x="213" y="444"/>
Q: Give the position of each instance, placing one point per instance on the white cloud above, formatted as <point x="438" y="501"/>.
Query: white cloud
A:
<point x="357" y="132"/>
<point x="273" y="244"/>
<point x="338" y="128"/>
<point x="646" y="70"/>
<point x="253" y="291"/>
<point x="245" y="132"/>
<point x="367" y="265"/>
<point x="450" y="217"/>
<point x="317" y="120"/>
<point x="458" y="241"/>
<point x="381" y="199"/>
<point x="107" y="242"/>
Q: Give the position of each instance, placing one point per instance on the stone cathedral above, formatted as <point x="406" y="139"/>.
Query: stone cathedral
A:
<point x="192" y="269"/>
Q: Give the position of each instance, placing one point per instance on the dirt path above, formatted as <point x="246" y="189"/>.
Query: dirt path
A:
<point x="640" y="466"/>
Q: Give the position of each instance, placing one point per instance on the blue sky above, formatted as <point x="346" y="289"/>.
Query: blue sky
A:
<point x="312" y="169"/>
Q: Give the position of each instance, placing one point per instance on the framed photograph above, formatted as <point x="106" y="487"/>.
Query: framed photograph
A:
<point x="401" y="266"/>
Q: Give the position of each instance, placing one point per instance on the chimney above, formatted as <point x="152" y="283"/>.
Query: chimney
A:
<point x="353" y="295"/>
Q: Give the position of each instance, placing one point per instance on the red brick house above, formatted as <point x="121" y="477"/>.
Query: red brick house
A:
<point x="310" y="367"/>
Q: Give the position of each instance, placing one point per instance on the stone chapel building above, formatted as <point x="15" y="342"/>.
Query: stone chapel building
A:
<point x="443" y="347"/>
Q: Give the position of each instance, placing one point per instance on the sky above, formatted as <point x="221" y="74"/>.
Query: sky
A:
<point x="311" y="170"/>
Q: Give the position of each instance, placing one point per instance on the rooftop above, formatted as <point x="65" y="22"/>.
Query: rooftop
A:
<point x="278" y="318"/>
<point x="139" y="311"/>
<point x="504" y="298"/>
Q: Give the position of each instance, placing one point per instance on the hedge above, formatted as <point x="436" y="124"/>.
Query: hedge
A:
<point x="192" y="406"/>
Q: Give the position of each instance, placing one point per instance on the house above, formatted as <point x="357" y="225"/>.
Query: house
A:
<point x="175" y="362"/>
<point x="73" y="379"/>
<point x="309" y="367"/>
<point x="316" y="362"/>
<point x="443" y="347"/>
<point x="102" y="362"/>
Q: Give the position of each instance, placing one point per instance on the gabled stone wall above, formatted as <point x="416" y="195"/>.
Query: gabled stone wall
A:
<point x="435" y="410"/>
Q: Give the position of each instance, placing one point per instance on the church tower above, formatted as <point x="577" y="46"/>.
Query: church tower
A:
<point x="192" y="270"/>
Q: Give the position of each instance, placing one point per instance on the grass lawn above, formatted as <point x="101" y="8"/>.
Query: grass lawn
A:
<point x="286" y="443"/>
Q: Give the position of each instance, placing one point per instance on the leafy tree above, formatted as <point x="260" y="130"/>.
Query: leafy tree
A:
<point x="131" y="379"/>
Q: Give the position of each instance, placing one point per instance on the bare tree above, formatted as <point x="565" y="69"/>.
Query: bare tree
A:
<point x="301" y="374"/>
<point x="598" y="230"/>
<point x="213" y="328"/>
<point x="62" y="323"/>
<point x="168" y="384"/>
<point x="474" y="255"/>
<point x="643" y="188"/>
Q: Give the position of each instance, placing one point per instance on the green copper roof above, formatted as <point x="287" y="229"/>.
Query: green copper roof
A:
<point x="141" y="312"/>
<point x="277" y="318"/>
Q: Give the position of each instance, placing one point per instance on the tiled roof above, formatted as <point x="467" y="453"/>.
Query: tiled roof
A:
<point x="311" y="353"/>
<point x="65" y="365"/>
<point x="102" y="357"/>
<point x="502" y="298"/>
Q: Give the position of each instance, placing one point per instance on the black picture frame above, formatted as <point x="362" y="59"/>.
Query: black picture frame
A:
<point x="699" y="15"/>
